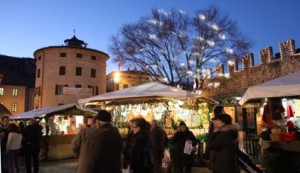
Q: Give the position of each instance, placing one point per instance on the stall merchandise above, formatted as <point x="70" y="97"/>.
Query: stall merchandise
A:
<point x="154" y="100"/>
<point x="60" y="124"/>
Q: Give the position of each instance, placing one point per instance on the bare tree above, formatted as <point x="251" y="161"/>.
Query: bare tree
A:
<point x="176" y="47"/>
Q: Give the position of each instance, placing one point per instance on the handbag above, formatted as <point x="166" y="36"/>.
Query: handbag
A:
<point x="126" y="170"/>
<point x="166" y="159"/>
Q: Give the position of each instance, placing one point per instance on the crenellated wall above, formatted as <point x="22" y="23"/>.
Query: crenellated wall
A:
<point x="238" y="80"/>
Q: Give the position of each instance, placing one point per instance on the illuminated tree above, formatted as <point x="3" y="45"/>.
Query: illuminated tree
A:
<point x="179" y="48"/>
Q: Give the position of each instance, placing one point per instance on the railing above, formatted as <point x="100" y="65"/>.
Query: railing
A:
<point x="251" y="147"/>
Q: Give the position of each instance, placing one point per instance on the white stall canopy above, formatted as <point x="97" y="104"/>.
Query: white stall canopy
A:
<point x="285" y="86"/>
<point x="68" y="109"/>
<point x="150" y="89"/>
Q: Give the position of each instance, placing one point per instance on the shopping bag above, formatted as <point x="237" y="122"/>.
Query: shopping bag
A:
<point x="166" y="159"/>
<point x="188" y="148"/>
<point x="126" y="170"/>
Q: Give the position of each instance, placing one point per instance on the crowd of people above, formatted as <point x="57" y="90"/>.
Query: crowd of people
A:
<point x="145" y="149"/>
<point x="101" y="147"/>
<point x="19" y="144"/>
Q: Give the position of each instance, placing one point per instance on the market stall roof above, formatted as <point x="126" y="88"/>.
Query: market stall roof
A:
<point x="285" y="86"/>
<point x="4" y="111"/>
<point x="68" y="109"/>
<point x="150" y="89"/>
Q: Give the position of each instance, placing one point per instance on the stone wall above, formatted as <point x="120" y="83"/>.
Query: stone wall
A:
<point x="236" y="82"/>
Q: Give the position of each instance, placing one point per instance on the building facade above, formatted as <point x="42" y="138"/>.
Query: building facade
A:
<point x="118" y="80"/>
<point x="17" y="83"/>
<point x="67" y="73"/>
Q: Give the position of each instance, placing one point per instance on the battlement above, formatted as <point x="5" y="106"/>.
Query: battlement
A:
<point x="287" y="49"/>
<point x="238" y="79"/>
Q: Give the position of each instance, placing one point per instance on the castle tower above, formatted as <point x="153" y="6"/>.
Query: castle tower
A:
<point x="67" y="73"/>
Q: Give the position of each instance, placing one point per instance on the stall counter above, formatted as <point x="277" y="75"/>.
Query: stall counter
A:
<point x="59" y="147"/>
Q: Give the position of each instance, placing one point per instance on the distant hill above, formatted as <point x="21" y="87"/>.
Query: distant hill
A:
<point x="18" y="71"/>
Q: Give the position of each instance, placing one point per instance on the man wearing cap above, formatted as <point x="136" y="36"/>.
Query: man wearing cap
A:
<point x="100" y="150"/>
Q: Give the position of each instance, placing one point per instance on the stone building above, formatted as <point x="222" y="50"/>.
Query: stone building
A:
<point x="118" y="80"/>
<point x="67" y="73"/>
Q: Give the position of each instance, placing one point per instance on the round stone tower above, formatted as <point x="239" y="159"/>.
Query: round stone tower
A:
<point x="67" y="73"/>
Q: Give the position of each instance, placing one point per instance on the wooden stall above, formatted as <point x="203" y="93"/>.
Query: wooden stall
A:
<point x="60" y="125"/>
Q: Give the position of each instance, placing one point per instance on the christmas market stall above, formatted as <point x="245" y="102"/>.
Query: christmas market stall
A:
<point x="279" y="104"/>
<point x="154" y="100"/>
<point x="60" y="125"/>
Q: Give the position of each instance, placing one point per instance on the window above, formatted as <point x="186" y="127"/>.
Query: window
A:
<point x="38" y="73"/>
<point x="1" y="91"/>
<point x="14" y="107"/>
<point x="125" y="86"/>
<point x="59" y="89"/>
<point x="62" y="70"/>
<point x="15" y="92"/>
<point x="78" y="55"/>
<point x="63" y="54"/>
<point x="39" y="58"/>
<point x="78" y="71"/>
<point x="78" y="86"/>
<point x="93" y="58"/>
<point x="93" y="73"/>
<point x="94" y="89"/>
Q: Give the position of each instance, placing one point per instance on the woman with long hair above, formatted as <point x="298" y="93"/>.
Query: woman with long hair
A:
<point x="141" y="156"/>
<point x="13" y="147"/>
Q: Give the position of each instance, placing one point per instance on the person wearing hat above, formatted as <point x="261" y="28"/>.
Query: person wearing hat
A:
<point x="223" y="144"/>
<point x="183" y="160"/>
<point x="100" y="149"/>
<point x="218" y="110"/>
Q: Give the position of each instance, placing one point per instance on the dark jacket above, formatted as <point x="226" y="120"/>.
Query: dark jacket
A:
<point x="159" y="142"/>
<point x="181" y="159"/>
<point x="224" y="145"/>
<point x="100" y="150"/>
<point x="33" y="135"/>
<point x="141" y="157"/>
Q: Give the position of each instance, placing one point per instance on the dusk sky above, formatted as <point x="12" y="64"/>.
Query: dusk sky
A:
<point x="26" y="26"/>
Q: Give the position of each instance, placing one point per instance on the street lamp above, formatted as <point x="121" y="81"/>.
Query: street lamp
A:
<point x="117" y="79"/>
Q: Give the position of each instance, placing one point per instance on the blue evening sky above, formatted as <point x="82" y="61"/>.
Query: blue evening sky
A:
<point x="28" y="25"/>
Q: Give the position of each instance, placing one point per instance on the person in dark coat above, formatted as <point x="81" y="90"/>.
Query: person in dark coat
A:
<point x="181" y="159"/>
<point x="32" y="136"/>
<point x="4" y="138"/>
<point x="224" y="145"/>
<point x="159" y="142"/>
<point x="141" y="155"/>
<point x="81" y="137"/>
<point x="100" y="149"/>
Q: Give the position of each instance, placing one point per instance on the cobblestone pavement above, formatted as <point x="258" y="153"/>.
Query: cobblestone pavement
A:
<point x="69" y="166"/>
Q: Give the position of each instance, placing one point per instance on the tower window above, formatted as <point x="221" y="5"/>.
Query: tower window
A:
<point x="59" y="89"/>
<point x="63" y="54"/>
<point x="38" y="73"/>
<point x="78" y="71"/>
<point x="93" y="58"/>
<point x="93" y="73"/>
<point x="78" y="55"/>
<point x="62" y="70"/>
